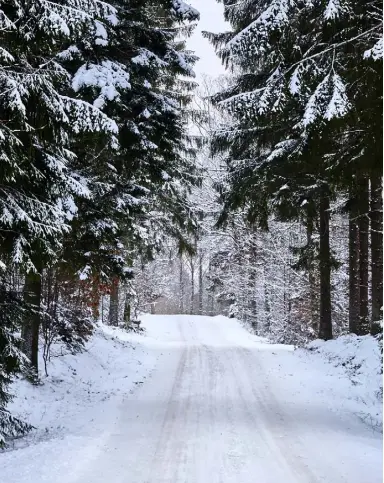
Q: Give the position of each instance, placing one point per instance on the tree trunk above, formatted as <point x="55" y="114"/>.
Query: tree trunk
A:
<point x="267" y="305"/>
<point x="325" y="326"/>
<point x="127" y="313"/>
<point x="153" y="308"/>
<point x="284" y="293"/>
<point x="211" y="304"/>
<point x="200" y="283"/>
<point x="114" y="304"/>
<point x="192" y="286"/>
<point x="313" y="287"/>
<point x="127" y="307"/>
<point x="252" y="288"/>
<point x="354" y="275"/>
<point x="363" y="325"/>
<point x="31" y="326"/>
<point x="181" y="282"/>
<point x="376" y="212"/>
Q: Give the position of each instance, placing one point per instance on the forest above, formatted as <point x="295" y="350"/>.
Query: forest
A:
<point x="127" y="187"/>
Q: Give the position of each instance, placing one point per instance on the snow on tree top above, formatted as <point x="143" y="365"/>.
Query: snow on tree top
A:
<point x="184" y="11"/>
<point x="335" y="9"/>
<point x="274" y="17"/>
<point x="376" y="53"/>
<point x="107" y="76"/>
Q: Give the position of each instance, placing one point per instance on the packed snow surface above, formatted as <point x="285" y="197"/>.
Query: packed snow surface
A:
<point x="199" y="400"/>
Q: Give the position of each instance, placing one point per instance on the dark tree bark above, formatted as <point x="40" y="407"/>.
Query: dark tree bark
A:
<point x="267" y="305"/>
<point x="114" y="304"/>
<point x="354" y="274"/>
<point x="376" y="213"/>
<point x="127" y="309"/>
<point x="252" y="286"/>
<point x="181" y="284"/>
<point x="31" y="326"/>
<point x="192" y="298"/>
<point x="325" y="326"/>
<point x="364" y="323"/>
<point x="312" y="275"/>
<point x="201" y="283"/>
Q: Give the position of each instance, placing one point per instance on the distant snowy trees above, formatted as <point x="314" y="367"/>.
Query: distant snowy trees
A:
<point x="294" y="173"/>
<point x="94" y="151"/>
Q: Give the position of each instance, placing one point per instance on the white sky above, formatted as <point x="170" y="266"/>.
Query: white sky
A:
<point x="212" y="20"/>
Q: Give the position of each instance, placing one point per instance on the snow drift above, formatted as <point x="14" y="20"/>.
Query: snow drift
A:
<point x="83" y="388"/>
<point x="361" y="358"/>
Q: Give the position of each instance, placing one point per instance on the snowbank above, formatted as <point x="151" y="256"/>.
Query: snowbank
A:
<point x="83" y="388"/>
<point x="360" y="358"/>
<point x="344" y="374"/>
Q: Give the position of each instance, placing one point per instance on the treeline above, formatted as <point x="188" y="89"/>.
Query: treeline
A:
<point x="268" y="278"/>
<point x="95" y="162"/>
<point x="304" y="143"/>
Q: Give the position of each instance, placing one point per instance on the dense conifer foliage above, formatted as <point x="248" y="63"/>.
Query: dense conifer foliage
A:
<point x="305" y="140"/>
<point x="94" y="151"/>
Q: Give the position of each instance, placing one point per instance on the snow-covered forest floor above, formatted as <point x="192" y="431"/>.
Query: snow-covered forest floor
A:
<point x="82" y="387"/>
<point x="360" y="359"/>
<point x="85" y="402"/>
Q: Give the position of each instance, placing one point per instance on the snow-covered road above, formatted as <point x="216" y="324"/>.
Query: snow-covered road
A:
<point x="224" y="406"/>
<point x="213" y="412"/>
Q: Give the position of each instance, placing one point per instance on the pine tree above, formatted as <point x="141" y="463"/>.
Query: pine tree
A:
<point x="290" y="104"/>
<point x="133" y="79"/>
<point x="93" y="147"/>
<point x="12" y="359"/>
<point x="376" y="216"/>
<point x="38" y="119"/>
<point x="357" y="160"/>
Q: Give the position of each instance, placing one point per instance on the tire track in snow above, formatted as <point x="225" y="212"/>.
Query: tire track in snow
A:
<point x="213" y="413"/>
<point x="283" y="445"/>
<point x="171" y="458"/>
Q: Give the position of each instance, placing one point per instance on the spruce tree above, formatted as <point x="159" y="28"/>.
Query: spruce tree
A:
<point x="12" y="360"/>
<point x="290" y="101"/>
<point x="135" y="80"/>
<point x="94" y="150"/>
<point x="38" y="120"/>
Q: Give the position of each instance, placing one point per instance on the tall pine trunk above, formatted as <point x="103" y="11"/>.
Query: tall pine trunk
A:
<point x="252" y="284"/>
<point x="32" y="321"/>
<point x="313" y="286"/>
<point x="127" y="313"/>
<point x="127" y="306"/>
<point x="192" y="298"/>
<point x="363" y="194"/>
<point x="181" y="287"/>
<point x="201" y="283"/>
<point x="354" y="274"/>
<point x="376" y="212"/>
<point x="114" y="304"/>
<point x="325" y="326"/>
<point x="267" y="305"/>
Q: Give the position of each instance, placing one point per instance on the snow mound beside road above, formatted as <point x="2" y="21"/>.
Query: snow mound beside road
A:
<point x="83" y="388"/>
<point x="360" y="357"/>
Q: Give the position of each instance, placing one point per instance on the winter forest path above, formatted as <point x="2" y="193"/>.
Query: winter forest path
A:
<point x="196" y="400"/>
<point x="222" y="407"/>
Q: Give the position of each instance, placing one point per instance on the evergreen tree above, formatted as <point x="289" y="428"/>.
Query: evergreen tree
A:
<point x="38" y="120"/>
<point x="94" y="147"/>
<point x="12" y="359"/>
<point x="133" y="79"/>
<point x="288" y="102"/>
